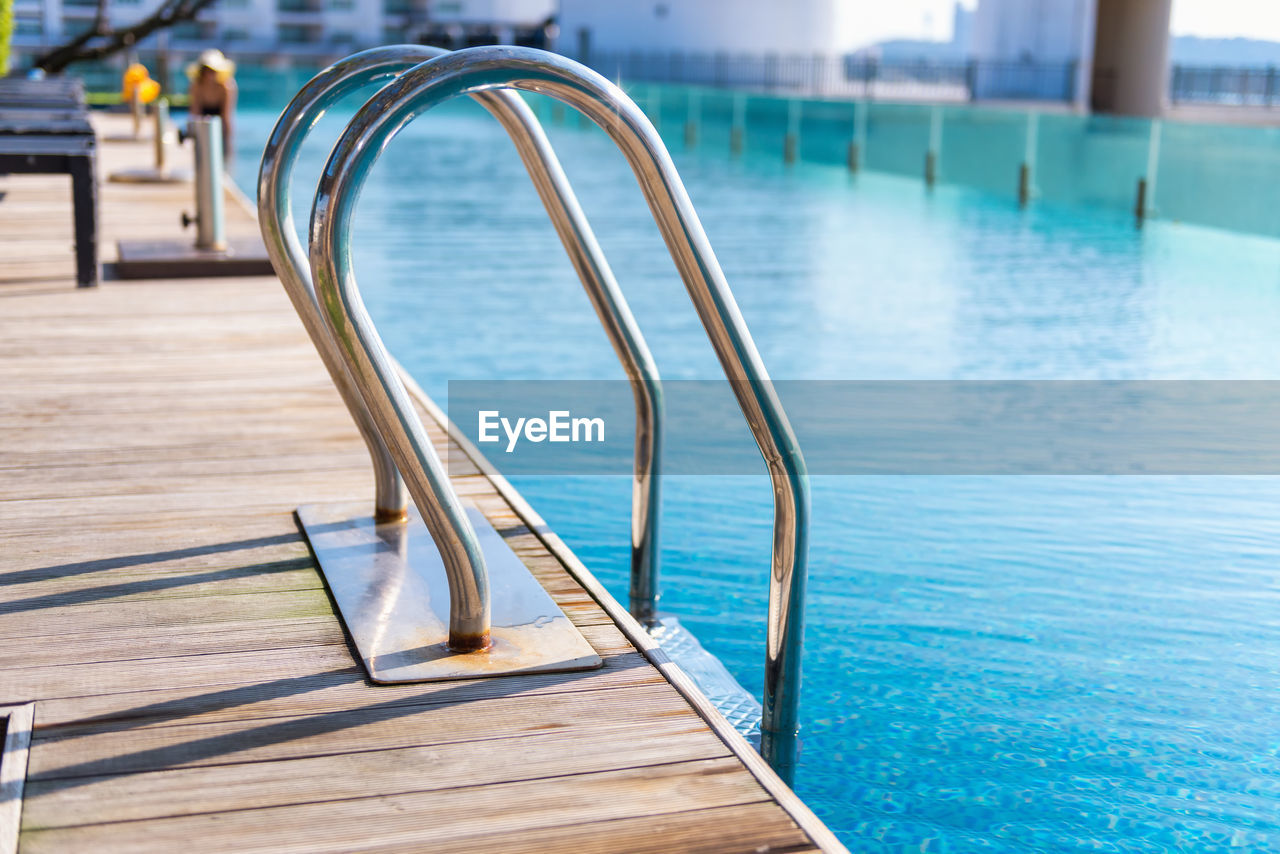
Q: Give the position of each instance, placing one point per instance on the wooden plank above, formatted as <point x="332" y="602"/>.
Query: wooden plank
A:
<point x="219" y="788"/>
<point x="314" y="693"/>
<point x="30" y="568"/>
<point x="754" y="828"/>
<point x="440" y="820"/>
<point x="285" y="575"/>
<point x="145" y="614"/>
<point x="153" y="536"/>
<point x="440" y="718"/>
<point x="120" y="645"/>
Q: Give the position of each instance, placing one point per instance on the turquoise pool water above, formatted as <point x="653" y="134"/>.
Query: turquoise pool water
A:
<point x="992" y="663"/>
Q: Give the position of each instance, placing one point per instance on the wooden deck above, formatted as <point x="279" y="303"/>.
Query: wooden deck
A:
<point x="193" y="688"/>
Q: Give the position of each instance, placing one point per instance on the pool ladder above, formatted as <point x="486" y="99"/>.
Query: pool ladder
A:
<point x="492" y="617"/>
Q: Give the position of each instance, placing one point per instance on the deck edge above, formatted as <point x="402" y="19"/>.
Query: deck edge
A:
<point x="15" y="747"/>
<point x="805" y="819"/>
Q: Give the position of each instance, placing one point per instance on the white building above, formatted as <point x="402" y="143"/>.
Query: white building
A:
<point x="1118" y="49"/>
<point x="1032" y="30"/>
<point x="1012" y="34"/>
<point x="758" y="27"/>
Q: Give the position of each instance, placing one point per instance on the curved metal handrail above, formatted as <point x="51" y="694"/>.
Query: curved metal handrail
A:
<point x="275" y="214"/>
<point x="479" y="69"/>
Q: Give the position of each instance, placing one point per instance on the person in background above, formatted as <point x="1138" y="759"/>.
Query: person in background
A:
<point x="213" y="93"/>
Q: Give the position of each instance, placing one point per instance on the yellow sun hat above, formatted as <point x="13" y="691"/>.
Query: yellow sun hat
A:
<point x="213" y="60"/>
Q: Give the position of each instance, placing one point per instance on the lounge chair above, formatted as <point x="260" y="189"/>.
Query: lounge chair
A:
<point x="44" y="129"/>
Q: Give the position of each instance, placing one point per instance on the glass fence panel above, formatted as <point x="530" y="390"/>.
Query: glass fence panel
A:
<point x="983" y="149"/>
<point x="673" y="106"/>
<point x="1225" y="176"/>
<point x="766" y="124"/>
<point x="1091" y="160"/>
<point x="716" y="118"/>
<point x="826" y="129"/>
<point x="897" y="138"/>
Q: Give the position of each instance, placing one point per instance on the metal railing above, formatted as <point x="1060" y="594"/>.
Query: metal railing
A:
<point x="943" y="80"/>
<point x="275" y="215"/>
<point x="369" y="367"/>
<point x="1240" y="87"/>
<point x="858" y="77"/>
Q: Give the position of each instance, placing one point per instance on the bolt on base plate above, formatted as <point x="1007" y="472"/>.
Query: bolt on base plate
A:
<point x="389" y="584"/>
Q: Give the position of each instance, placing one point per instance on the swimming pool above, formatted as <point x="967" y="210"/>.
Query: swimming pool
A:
<point x="992" y="663"/>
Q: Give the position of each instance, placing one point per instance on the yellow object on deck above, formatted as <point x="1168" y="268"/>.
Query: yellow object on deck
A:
<point x="137" y="83"/>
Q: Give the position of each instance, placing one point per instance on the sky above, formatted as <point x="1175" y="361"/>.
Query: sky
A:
<point x="1257" y="19"/>
<point x="931" y="19"/>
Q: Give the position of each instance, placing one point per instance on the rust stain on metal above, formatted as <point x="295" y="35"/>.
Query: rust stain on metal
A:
<point x="461" y="642"/>
<point x="382" y="515"/>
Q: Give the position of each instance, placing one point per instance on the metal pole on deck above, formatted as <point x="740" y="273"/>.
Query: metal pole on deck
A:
<point x="157" y="140"/>
<point x="138" y="109"/>
<point x="211" y="226"/>
<point x="159" y="173"/>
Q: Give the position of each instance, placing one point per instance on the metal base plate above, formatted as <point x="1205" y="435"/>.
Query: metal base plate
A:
<point x="389" y="585"/>
<point x="172" y="259"/>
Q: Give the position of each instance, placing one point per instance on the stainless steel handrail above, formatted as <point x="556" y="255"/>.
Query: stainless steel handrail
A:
<point x="275" y="214"/>
<point x="480" y="69"/>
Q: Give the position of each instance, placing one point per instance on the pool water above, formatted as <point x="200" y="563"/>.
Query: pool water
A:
<point x="991" y="663"/>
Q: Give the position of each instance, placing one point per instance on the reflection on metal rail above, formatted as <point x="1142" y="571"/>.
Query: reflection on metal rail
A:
<point x="276" y="217"/>
<point x="478" y="70"/>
